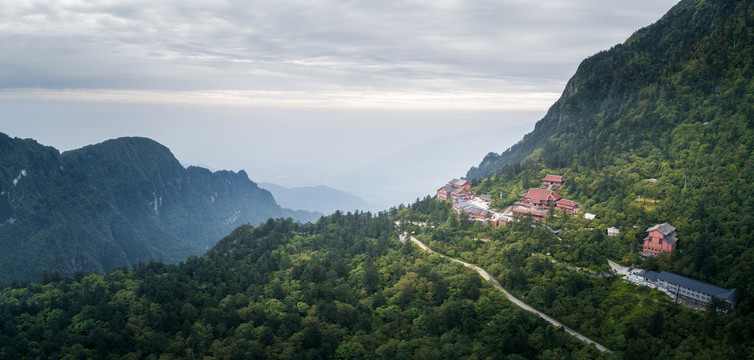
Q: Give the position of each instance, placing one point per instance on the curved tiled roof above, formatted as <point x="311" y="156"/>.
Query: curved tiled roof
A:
<point x="566" y="202"/>
<point x="535" y="194"/>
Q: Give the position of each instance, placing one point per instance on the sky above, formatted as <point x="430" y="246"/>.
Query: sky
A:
<point x="385" y="99"/>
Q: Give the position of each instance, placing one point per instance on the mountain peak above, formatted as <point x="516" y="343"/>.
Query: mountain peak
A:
<point x="694" y="51"/>
<point x="116" y="203"/>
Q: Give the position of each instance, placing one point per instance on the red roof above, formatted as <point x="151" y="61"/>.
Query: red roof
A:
<point x="553" y="178"/>
<point x="541" y="195"/>
<point x="566" y="202"/>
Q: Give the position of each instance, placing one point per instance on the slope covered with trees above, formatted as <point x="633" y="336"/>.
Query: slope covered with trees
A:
<point x="659" y="128"/>
<point x="566" y="276"/>
<point x="343" y="288"/>
<point x="115" y="204"/>
<point x="692" y="66"/>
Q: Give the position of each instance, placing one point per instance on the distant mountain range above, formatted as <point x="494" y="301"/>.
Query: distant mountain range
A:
<point x="115" y="204"/>
<point x="320" y="198"/>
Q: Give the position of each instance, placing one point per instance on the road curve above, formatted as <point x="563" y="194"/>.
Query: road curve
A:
<point x="514" y="299"/>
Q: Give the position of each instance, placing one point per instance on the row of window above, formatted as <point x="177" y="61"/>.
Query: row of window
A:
<point x="647" y="248"/>
<point x="687" y="292"/>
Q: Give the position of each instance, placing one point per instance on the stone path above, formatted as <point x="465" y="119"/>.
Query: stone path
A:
<point x="618" y="269"/>
<point x="514" y="299"/>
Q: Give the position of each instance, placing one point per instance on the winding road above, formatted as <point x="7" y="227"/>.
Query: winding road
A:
<point x="514" y="299"/>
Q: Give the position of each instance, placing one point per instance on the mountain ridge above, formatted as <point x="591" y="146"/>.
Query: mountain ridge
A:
<point x="671" y="104"/>
<point x="604" y="81"/>
<point x="115" y="204"/>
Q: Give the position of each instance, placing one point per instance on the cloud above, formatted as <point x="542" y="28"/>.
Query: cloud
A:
<point x="328" y="48"/>
<point x="344" y="99"/>
<point x="301" y="92"/>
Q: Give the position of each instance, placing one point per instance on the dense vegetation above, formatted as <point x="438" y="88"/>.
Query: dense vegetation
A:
<point x="540" y="267"/>
<point x="115" y="204"/>
<point x="674" y="103"/>
<point x="692" y="66"/>
<point x="344" y="287"/>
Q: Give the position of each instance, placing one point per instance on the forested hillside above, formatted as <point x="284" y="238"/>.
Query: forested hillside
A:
<point x="115" y="204"/>
<point x="566" y="276"/>
<point x="659" y="128"/>
<point x="346" y="288"/>
<point x="692" y="66"/>
<point x="342" y="288"/>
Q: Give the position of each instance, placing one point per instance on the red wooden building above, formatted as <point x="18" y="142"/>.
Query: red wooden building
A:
<point x="555" y="180"/>
<point x="535" y="213"/>
<point x="568" y="205"/>
<point x="661" y="238"/>
<point x="455" y="190"/>
<point x="461" y="184"/>
<point x="540" y="197"/>
<point x="453" y="193"/>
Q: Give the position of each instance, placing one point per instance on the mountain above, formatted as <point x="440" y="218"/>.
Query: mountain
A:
<point x="115" y="204"/>
<point x="657" y="129"/>
<point x="321" y="198"/>
<point x="343" y="288"/>
<point x="691" y="67"/>
<point x="346" y="287"/>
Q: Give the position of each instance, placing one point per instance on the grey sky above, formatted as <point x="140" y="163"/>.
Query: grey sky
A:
<point x="275" y="87"/>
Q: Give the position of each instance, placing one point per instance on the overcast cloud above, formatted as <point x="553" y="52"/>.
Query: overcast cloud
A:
<point x="309" y="51"/>
<point x="369" y="77"/>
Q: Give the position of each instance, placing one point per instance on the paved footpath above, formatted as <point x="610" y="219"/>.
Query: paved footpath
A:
<point x="619" y="270"/>
<point x="514" y="299"/>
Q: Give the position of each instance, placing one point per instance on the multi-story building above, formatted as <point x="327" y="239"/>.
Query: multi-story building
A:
<point x="660" y="238"/>
<point x="453" y="193"/>
<point x="542" y="198"/>
<point x="455" y="190"/>
<point x="568" y="205"/>
<point x="554" y="180"/>
<point x="460" y="183"/>
<point x="692" y="290"/>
